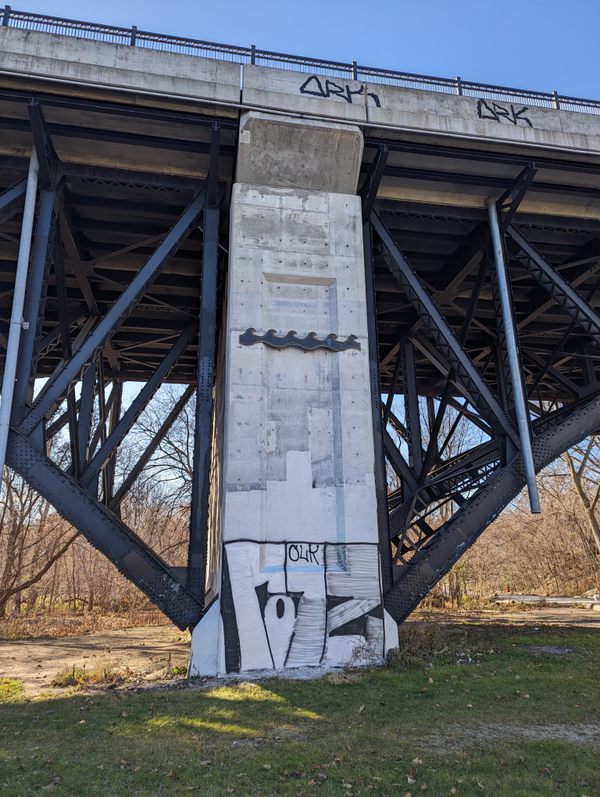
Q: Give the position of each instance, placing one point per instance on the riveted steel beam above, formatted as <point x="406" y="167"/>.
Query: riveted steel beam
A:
<point x="34" y="302"/>
<point x="557" y="286"/>
<point x="511" y="345"/>
<point x="11" y="200"/>
<point x="105" y="531"/>
<point x="439" y="329"/>
<point x="380" y="435"/>
<point x="414" y="580"/>
<point x="57" y="386"/>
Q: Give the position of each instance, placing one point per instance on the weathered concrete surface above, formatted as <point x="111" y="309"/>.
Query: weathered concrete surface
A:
<point x="480" y="118"/>
<point x="300" y="92"/>
<point x="538" y="202"/>
<point x="300" y="575"/>
<point x="276" y="150"/>
<point x="75" y="61"/>
<point x="65" y="58"/>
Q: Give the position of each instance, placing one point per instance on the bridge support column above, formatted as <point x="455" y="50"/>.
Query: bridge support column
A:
<point x="298" y="559"/>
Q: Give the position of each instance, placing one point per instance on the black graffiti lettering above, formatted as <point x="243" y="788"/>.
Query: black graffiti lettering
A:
<point x="315" y="88"/>
<point x="293" y="553"/>
<point x="278" y="611"/>
<point x="333" y="90"/>
<point x="313" y="550"/>
<point x="305" y="553"/>
<point x="520" y="115"/>
<point x="502" y="113"/>
<point x="485" y="111"/>
<point x="319" y="91"/>
<point x="497" y="112"/>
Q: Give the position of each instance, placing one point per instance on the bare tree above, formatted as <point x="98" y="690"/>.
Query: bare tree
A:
<point x="583" y="463"/>
<point x="32" y="538"/>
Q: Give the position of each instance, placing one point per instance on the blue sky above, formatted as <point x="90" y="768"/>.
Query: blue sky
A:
<point x="537" y="44"/>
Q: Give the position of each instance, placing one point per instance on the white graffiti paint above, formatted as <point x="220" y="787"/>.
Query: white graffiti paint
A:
<point x="297" y="604"/>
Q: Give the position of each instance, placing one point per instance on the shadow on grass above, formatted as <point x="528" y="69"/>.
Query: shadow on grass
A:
<point x="378" y="730"/>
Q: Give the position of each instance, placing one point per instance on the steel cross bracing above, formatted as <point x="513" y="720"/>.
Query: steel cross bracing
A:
<point x="453" y="454"/>
<point x="90" y="319"/>
<point x="127" y="269"/>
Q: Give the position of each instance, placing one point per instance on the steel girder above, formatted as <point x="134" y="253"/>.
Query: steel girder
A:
<point x="419" y="543"/>
<point x="443" y="502"/>
<point x="442" y="335"/>
<point x="453" y="539"/>
<point x="203" y="432"/>
<point x="11" y="200"/>
<point x="105" y="531"/>
<point x="83" y="490"/>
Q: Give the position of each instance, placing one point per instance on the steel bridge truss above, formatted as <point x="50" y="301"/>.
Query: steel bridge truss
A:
<point x="81" y="399"/>
<point x="455" y="454"/>
<point x="463" y="412"/>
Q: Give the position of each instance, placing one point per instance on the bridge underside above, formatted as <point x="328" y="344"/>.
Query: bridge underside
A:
<point x="127" y="275"/>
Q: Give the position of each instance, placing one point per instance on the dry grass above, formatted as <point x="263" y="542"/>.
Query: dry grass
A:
<point x="428" y="643"/>
<point x="70" y="623"/>
<point x="107" y="675"/>
<point x="103" y="675"/>
<point x="11" y="690"/>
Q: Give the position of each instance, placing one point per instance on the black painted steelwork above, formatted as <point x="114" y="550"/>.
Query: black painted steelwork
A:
<point x="98" y="304"/>
<point x="127" y="272"/>
<point x="445" y="317"/>
<point x="198" y="540"/>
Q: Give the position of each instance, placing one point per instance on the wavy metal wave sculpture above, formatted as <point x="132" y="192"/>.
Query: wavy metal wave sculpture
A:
<point x="308" y="343"/>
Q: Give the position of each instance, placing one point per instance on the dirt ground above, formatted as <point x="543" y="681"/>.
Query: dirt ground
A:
<point x="151" y="651"/>
<point x="546" y="615"/>
<point x="148" y="651"/>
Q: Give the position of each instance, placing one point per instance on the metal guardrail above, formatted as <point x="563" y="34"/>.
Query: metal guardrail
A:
<point x="253" y="55"/>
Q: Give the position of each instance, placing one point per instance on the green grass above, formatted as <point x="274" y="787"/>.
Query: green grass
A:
<point x="505" y="722"/>
<point x="11" y="690"/>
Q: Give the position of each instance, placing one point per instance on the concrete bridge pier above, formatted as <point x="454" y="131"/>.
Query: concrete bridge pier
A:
<point x="294" y="556"/>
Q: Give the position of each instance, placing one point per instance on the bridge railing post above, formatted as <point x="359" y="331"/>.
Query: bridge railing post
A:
<point x="252" y="54"/>
<point x="133" y="35"/>
<point x="6" y="16"/>
<point x="556" y="100"/>
<point x="459" y="88"/>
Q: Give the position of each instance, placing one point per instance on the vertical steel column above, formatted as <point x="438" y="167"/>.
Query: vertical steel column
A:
<point x="198" y="541"/>
<point x="110" y="467"/>
<point x="383" y="519"/>
<point x="86" y="410"/>
<point x="514" y="359"/>
<point x="16" y="317"/>
<point x="412" y="415"/>
<point x="37" y="279"/>
<point x="65" y="335"/>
